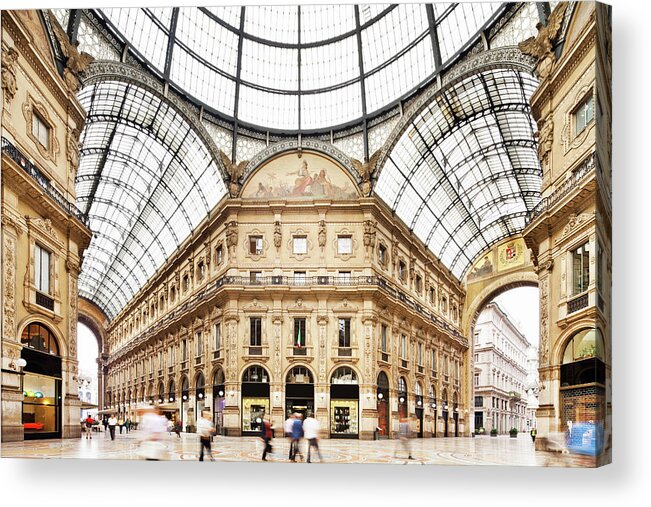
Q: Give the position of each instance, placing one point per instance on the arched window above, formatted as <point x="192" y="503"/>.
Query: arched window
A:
<point x="38" y="337"/>
<point x="585" y="344"/>
<point x="402" y="385"/>
<point x="419" y="389"/>
<point x="161" y="393"/>
<point x="255" y="374"/>
<point x="299" y="375"/>
<point x="171" y="391"/>
<point x="218" y="377"/>
<point x="344" y="375"/>
<point x="382" y="381"/>
<point x="200" y="381"/>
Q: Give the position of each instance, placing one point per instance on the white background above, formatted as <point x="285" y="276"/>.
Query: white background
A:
<point x="625" y="482"/>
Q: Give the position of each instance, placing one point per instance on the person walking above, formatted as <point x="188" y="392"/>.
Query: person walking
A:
<point x="311" y="429"/>
<point x="267" y="436"/>
<point x="127" y="425"/>
<point x="206" y="430"/>
<point x="533" y="434"/>
<point x="105" y="423"/>
<point x="153" y="429"/>
<point x="88" y="426"/>
<point x="404" y="435"/>
<point x="112" y="422"/>
<point x="121" y="424"/>
<point x="287" y="428"/>
<point x="178" y="426"/>
<point x="297" y="434"/>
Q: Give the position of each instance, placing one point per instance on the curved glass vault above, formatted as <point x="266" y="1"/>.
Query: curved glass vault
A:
<point x="145" y="180"/>
<point x="462" y="175"/>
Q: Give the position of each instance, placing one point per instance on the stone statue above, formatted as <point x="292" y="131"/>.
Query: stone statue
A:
<point x="9" y="58"/>
<point x="365" y="171"/>
<point x="231" y="235"/>
<point x="76" y="62"/>
<point x="278" y="235"/>
<point x="545" y="137"/>
<point x="541" y="47"/>
<point x="322" y="233"/>
<point x="72" y="148"/>
<point x="235" y="172"/>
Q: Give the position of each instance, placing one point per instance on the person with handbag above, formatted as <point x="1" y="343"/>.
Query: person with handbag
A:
<point x="206" y="429"/>
<point x="267" y="436"/>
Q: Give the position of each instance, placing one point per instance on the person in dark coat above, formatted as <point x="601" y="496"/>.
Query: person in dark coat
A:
<point x="297" y="435"/>
<point x="267" y="435"/>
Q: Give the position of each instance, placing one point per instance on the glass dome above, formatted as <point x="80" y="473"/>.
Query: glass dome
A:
<point x="300" y="68"/>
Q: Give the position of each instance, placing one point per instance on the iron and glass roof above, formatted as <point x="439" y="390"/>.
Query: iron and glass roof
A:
<point x="300" y="68"/>
<point x="462" y="175"/>
<point x="145" y="180"/>
<point x="465" y="173"/>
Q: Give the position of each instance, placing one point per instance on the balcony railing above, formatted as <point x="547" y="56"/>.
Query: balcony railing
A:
<point x="211" y="289"/>
<point x="344" y="351"/>
<point x="44" y="301"/>
<point x="38" y="176"/>
<point x="564" y="189"/>
<point x="299" y="351"/>
<point x="578" y="303"/>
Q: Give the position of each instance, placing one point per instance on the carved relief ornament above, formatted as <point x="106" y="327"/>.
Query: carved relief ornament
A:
<point x="9" y="58"/>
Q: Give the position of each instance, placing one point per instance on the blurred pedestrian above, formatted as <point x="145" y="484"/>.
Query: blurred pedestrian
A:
<point x="127" y="425"/>
<point x="311" y="429"/>
<point x="121" y="424"/>
<point x="533" y="433"/>
<point x="178" y="426"/>
<point x="112" y="422"/>
<point x="267" y="436"/>
<point x="206" y="429"/>
<point x="88" y="426"/>
<point x="297" y="435"/>
<point x="287" y="428"/>
<point x="105" y="423"/>
<point x="404" y="436"/>
<point x="153" y="429"/>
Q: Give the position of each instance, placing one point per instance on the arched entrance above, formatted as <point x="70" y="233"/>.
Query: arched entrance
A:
<point x="419" y="410"/>
<point x="583" y="391"/>
<point x="199" y="394"/>
<point x="41" y="383"/>
<point x="344" y="403"/>
<point x="299" y="392"/>
<point x="185" y="401"/>
<point x="434" y="408"/>
<point x="218" y="400"/>
<point x="383" y="403"/>
<point x="444" y="413"/>
<point x="402" y="398"/>
<point x="255" y="399"/>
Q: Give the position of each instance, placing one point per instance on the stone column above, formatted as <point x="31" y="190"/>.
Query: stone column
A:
<point x="232" y="423"/>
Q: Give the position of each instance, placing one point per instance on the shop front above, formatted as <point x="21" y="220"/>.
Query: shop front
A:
<point x="419" y="410"/>
<point x="402" y="398"/>
<point x="218" y="400"/>
<point x="383" y="401"/>
<point x="199" y="394"/>
<point x="299" y="392"/>
<point x="444" y="413"/>
<point x="255" y="399"/>
<point x="432" y="404"/>
<point x="344" y="404"/>
<point x="41" y="383"/>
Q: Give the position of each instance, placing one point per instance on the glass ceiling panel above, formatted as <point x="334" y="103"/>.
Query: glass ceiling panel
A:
<point x="156" y="183"/>
<point x="464" y="174"/>
<point x="307" y="50"/>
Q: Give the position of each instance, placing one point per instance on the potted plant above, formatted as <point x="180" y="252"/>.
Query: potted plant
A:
<point x="494" y="432"/>
<point x="513" y="432"/>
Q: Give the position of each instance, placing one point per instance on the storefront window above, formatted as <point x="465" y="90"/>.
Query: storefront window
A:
<point x="40" y="404"/>
<point x="39" y="337"/>
<point x="344" y="417"/>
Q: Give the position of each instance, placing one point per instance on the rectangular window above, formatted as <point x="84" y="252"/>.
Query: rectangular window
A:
<point x="42" y="270"/>
<point x="202" y="270"/>
<point x="220" y="254"/>
<point x="184" y="350"/>
<point x="40" y="130"/>
<point x="160" y="360"/>
<point x="300" y="245"/>
<point x="199" y="344"/>
<point x="383" y="338"/>
<point x="186" y="283"/>
<point x="255" y="339"/>
<point x="402" y="271"/>
<point x="218" y="336"/>
<point x="300" y="277"/>
<point x="434" y="360"/>
<point x="476" y="379"/>
<point x="255" y="245"/>
<point x="344" y="333"/>
<point x="382" y="255"/>
<point x="584" y="114"/>
<point x="403" y="347"/>
<point x="419" y="284"/>
<point x="479" y="401"/>
<point x="581" y="268"/>
<point x="299" y="332"/>
<point x="431" y="295"/>
<point x="170" y="358"/>
<point x="344" y="245"/>
<point x="255" y="277"/>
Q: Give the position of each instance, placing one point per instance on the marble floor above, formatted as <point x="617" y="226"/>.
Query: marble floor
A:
<point x="442" y="451"/>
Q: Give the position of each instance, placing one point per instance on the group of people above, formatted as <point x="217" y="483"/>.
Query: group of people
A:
<point x="112" y="423"/>
<point x="296" y="429"/>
